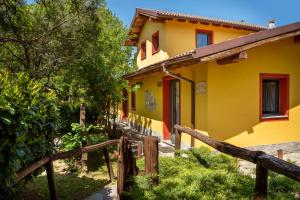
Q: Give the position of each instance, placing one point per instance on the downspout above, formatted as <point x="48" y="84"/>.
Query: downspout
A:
<point x="192" y="96"/>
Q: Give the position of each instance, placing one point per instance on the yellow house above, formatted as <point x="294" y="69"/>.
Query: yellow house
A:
<point x="234" y="81"/>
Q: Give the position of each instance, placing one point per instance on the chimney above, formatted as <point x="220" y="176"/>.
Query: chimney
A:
<point x="271" y="24"/>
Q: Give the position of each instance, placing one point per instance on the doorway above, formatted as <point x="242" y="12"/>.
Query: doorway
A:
<point x="125" y="105"/>
<point x="171" y="107"/>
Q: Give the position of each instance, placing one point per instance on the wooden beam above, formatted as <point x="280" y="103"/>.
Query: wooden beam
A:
<point x="108" y="164"/>
<point x="236" y="50"/>
<point x="214" y="24"/>
<point x="51" y="181"/>
<point x="157" y="20"/>
<point x="205" y="23"/>
<point x="261" y="182"/>
<point x="122" y="166"/>
<point x="23" y="173"/>
<point x="151" y="157"/>
<point x="193" y="21"/>
<point x="280" y="153"/>
<point x="266" y="161"/>
<point x="177" y="141"/>
<point x="224" y="147"/>
<point x="181" y="20"/>
<point x="297" y="39"/>
<point x="233" y="59"/>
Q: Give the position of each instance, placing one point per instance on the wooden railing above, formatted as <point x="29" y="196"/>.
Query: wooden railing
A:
<point x="126" y="162"/>
<point x="263" y="161"/>
<point x="48" y="162"/>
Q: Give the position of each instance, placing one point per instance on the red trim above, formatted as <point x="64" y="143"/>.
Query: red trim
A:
<point x="166" y="107"/>
<point x="125" y="105"/>
<point x="209" y="33"/>
<point x="155" y="42"/>
<point x="143" y="50"/>
<point x="283" y="95"/>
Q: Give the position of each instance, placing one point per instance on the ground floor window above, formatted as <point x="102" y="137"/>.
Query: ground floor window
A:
<point x="274" y="96"/>
<point x="133" y="99"/>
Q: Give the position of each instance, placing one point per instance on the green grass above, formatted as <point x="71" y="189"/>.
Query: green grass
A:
<point x="202" y="174"/>
<point x="69" y="186"/>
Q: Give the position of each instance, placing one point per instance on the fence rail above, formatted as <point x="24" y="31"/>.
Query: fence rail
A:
<point x="263" y="161"/>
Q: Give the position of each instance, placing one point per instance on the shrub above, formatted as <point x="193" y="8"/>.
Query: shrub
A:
<point x="28" y="119"/>
<point x="202" y="174"/>
<point x="89" y="135"/>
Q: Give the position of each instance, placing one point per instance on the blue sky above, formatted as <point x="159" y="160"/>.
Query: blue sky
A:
<point x="252" y="11"/>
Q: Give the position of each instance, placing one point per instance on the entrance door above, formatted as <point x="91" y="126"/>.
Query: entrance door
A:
<point x="174" y="106"/>
<point x="171" y="107"/>
<point x="125" y="105"/>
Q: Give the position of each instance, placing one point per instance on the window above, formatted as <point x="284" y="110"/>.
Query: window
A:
<point x="155" y="43"/>
<point x="203" y="38"/>
<point x="133" y="99"/>
<point x="143" y="50"/>
<point x="274" y="96"/>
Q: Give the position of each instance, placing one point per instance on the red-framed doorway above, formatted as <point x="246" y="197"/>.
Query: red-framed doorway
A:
<point x="125" y="106"/>
<point x="167" y="107"/>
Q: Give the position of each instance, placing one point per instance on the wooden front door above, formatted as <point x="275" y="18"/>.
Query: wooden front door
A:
<point x="171" y="107"/>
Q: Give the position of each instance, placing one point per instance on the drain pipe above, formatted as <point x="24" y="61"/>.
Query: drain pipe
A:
<point x="192" y="96"/>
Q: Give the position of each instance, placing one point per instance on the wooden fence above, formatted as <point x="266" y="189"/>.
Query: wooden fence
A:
<point x="48" y="163"/>
<point x="126" y="162"/>
<point x="263" y="161"/>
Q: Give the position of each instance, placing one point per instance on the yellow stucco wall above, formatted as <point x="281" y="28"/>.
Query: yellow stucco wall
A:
<point x="147" y="118"/>
<point x="233" y="96"/>
<point x="146" y="35"/>
<point x="229" y="110"/>
<point x="178" y="37"/>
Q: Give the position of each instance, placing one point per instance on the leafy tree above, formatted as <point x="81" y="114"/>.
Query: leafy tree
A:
<point x="28" y="120"/>
<point x="42" y="37"/>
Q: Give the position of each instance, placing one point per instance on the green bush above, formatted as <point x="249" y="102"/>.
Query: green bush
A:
<point x="28" y="119"/>
<point x="202" y="174"/>
<point x="89" y="135"/>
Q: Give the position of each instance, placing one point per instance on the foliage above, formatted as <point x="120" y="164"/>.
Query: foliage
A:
<point x="89" y="135"/>
<point x="28" y="119"/>
<point x="76" y="47"/>
<point x="202" y="174"/>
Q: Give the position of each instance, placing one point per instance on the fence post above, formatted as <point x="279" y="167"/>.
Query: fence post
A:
<point x="139" y="150"/>
<point x="177" y="141"/>
<point x="280" y="153"/>
<point x="151" y="157"/>
<point x="84" y="156"/>
<point x="108" y="164"/>
<point x="51" y="181"/>
<point x="122" y="168"/>
<point x="261" y="182"/>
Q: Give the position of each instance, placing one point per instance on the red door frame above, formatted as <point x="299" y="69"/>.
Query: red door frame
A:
<point x="166" y="106"/>
<point x="125" y="105"/>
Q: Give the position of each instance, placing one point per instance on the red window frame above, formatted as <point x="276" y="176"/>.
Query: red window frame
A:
<point x="155" y="42"/>
<point x="209" y="33"/>
<point x="143" y="50"/>
<point x="133" y="100"/>
<point x="284" y="80"/>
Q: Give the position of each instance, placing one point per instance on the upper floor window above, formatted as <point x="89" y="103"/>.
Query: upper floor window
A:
<point x="203" y="38"/>
<point x="274" y="96"/>
<point x="143" y="50"/>
<point x="155" y="42"/>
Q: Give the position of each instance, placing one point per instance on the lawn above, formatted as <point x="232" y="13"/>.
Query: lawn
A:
<point x="69" y="186"/>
